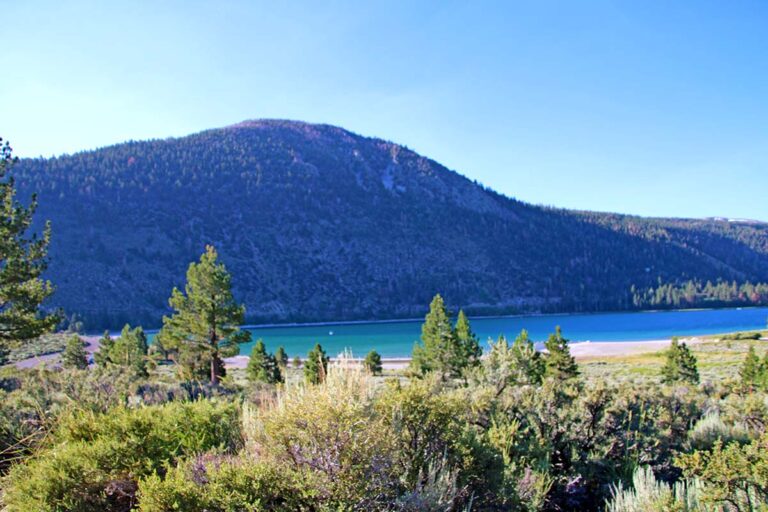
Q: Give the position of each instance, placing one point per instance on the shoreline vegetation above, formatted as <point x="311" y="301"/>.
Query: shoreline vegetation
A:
<point x="579" y="349"/>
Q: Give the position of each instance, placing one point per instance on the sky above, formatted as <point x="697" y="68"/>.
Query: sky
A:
<point x="654" y="108"/>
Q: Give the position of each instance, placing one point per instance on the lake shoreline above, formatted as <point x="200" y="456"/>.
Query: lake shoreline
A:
<point x="154" y="330"/>
<point x="580" y="350"/>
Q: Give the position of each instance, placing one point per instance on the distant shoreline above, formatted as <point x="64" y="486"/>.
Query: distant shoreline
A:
<point x="471" y="317"/>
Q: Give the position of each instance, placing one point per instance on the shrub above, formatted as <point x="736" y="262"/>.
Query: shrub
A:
<point x="331" y="435"/>
<point x="650" y="495"/>
<point x="712" y="428"/>
<point x="212" y="482"/>
<point x="96" y="460"/>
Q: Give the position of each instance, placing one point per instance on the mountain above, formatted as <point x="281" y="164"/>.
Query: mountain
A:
<point x="317" y="223"/>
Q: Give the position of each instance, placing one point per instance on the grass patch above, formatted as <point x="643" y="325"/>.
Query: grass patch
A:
<point x="45" y="344"/>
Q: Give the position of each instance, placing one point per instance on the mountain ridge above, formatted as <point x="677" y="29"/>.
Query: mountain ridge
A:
<point x="318" y="223"/>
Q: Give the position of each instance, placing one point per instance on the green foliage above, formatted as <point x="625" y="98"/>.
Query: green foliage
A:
<point x="738" y="336"/>
<point x="129" y="350"/>
<point x="281" y="357"/>
<point x="712" y="429"/>
<point x="22" y="262"/>
<point x="372" y="363"/>
<point x="528" y="365"/>
<point x="753" y="373"/>
<point x="430" y="428"/>
<point x="206" y="325"/>
<point x="215" y="483"/>
<point x="470" y="346"/>
<point x="74" y="356"/>
<point x="96" y="460"/>
<point x="690" y="294"/>
<point x="316" y="365"/>
<point x="50" y="343"/>
<point x="734" y="476"/>
<point x="444" y="350"/>
<point x="332" y="435"/>
<point x="680" y="365"/>
<point x="518" y="364"/>
<point x="558" y="361"/>
<point x="262" y="366"/>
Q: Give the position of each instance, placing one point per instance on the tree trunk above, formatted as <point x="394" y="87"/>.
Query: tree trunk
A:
<point x="215" y="370"/>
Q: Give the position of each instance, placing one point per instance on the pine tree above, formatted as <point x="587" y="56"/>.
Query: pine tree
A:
<point x="129" y="350"/>
<point x="296" y="362"/>
<point x="440" y="350"/>
<point x="470" y="346"/>
<point x="316" y="365"/>
<point x="680" y="365"/>
<point x="282" y="362"/>
<point x="74" y="356"/>
<point x="206" y="325"/>
<point x="22" y="262"/>
<point x="751" y="371"/>
<point x="372" y="363"/>
<point x="262" y="366"/>
<point x="558" y="361"/>
<point x="102" y="356"/>
<point x="528" y="365"/>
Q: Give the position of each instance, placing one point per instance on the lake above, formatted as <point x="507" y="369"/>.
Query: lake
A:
<point x="396" y="339"/>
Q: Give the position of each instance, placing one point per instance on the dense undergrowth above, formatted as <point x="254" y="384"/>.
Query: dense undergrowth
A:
<point x="106" y="439"/>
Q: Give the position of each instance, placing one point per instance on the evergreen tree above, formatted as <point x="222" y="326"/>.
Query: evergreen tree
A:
<point x="102" y="356"/>
<point x="262" y="366"/>
<point x="206" y="325"/>
<point x="282" y="362"/>
<point x="74" y="356"/>
<point x="440" y="351"/>
<point x="680" y="365"/>
<point x="22" y="262"/>
<point x="129" y="350"/>
<point x="528" y="366"/>
<point x="468" y="341"/>
<point x="296" y="362"/>
<point x="316" y="365"/>
<point x="558" y="361"/>
<point x="372" y="363"/>
<point x="752" y="370"/>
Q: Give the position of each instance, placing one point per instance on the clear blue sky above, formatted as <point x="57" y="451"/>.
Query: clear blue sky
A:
<point x="654" y="108"/>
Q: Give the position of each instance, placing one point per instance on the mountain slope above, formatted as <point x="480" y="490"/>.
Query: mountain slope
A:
<point x="317" y="223"/>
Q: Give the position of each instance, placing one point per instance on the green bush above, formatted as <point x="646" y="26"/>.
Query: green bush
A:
<point x="95" y="460"/>
<point x="215" y="483"/>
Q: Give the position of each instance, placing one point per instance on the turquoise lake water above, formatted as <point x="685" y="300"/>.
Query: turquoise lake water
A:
<point x="395" y="339"/>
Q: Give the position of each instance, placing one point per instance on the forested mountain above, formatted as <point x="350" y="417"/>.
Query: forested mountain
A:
<point x="317" y="223"/>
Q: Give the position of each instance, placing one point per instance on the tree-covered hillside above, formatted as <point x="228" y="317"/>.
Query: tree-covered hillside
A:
<point x="317" y="223"/>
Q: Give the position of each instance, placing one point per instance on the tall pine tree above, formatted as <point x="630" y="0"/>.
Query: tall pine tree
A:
<point x="22" y="262"/>
<point x="262" y="366"/>
<point x="440" y="350"/>
<point x="316" y="365"/>
<point x="468" y="342"/>
<point x="752" y="371"/>
<point x="528" y="366"/>
<point x="558" y="361"/>
<point x="206" y="325"/>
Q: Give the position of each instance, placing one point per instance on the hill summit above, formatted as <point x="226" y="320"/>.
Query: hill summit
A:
<point x="316" y="223"/>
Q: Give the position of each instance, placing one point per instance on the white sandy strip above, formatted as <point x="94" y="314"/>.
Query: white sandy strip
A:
<point x="586" y="349"/>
